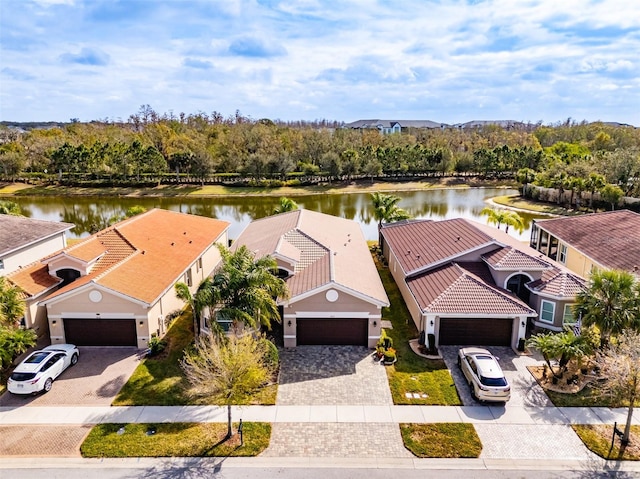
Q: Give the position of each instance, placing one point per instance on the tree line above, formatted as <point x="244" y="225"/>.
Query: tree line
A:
<point x="208" y="147"/>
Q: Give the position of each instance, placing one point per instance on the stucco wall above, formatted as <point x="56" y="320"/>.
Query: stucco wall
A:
<point x="32" y="253"/>
<point x="319" y="306"/>
<point x="536" y="303"/>
<point x="579" y="263"/>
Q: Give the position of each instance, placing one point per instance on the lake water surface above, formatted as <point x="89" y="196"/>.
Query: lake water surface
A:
<point x="91" y="214"/>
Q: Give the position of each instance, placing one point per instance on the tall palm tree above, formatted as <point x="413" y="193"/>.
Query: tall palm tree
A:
<point x="386" y="209"/>
<point x="514" y="220"/>
<point x="198" y="301"/>
<point x="611" y="302"/>
<point x="285" y="205"/>
<point x="245" y="289"/>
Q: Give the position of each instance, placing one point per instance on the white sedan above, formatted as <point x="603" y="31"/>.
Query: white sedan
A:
<point x="484" y="375"/>
<point x="38" y="371"/>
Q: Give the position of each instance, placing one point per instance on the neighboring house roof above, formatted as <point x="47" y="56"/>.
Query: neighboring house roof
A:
<point x="327" y="250"/>
<point x="422" y="243"/>
<point x="559" y="284"/>
<point x="389" y="124"/>
<point x="143" y="256"/>
<point x="455" y="289"/>
<point x="17" y="232"/>
<point x="611" y="239"/>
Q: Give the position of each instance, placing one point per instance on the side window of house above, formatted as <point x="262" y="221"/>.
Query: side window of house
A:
<point x="187" y="278"/>
<point x="547" y="310"/>
<point x="199" y="264"/>
<point x="1" y="264"/>
<point x="562" y="254"/>
<point x="567" y="316"/>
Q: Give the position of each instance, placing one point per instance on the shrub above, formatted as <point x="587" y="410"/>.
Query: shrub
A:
<point x="156" y="346"/>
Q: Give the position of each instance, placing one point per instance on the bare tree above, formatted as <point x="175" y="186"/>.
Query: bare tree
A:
<point x="619" y="363"/>
<point x="229" y="369"/>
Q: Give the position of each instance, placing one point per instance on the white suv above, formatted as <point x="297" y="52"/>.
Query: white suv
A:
<point x="484" y="375"/>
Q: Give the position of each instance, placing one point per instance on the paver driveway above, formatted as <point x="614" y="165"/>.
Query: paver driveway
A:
<point x="330" y="376"/>
<point x="525" y="391"/>
<point x="94" y="381"/>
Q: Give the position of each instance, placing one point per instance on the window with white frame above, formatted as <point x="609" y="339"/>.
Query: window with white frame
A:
<point x="567" y="316"/>
<point x="562" y="254"/>
<point x="547" y="310"/>
<point x="187" y="278"/>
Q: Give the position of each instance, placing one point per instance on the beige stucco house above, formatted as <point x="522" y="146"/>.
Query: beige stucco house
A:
<point x="335" y="293"/>
<point x="609" y="240"/>
<point x="467" y="283"/>
<point x="116" y="287"/>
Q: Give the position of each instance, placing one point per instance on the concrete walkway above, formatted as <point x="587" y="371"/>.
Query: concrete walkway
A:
<point x="515" y="415"/>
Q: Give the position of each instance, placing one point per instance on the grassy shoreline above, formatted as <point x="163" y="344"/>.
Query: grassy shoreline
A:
<point x="212" y="191"/>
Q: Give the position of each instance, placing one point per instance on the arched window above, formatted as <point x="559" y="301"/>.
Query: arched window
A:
<point x="516" y="284"/>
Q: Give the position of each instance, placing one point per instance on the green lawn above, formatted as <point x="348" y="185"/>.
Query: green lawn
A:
<point x="597" y="438"/>
<point x="161" y="382"/>
<point x="534" y="206"/>
<point x="450" y="440"/>
<point x="412" y="373"/>
<point x="175" y="440"/>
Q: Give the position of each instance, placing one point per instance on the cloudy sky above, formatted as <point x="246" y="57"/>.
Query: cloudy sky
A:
<point x="448" y="61"/>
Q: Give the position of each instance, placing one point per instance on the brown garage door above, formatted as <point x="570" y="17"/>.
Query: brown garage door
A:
<point x="332" y="331"/>
<point x="100" y="332"/>
<point x="480" y="331"/>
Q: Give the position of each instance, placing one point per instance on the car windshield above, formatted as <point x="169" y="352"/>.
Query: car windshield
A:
<point x="36" y="358"/>
<point x="496" y="382"/>
<point x="22" y="376"/>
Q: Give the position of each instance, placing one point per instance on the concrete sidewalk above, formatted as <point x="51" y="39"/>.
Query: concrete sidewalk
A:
<point x="513" y="415"/>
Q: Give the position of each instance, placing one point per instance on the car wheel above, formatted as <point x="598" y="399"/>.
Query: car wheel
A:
<point x="47" y="385"/>
<point x="74" y="359"/>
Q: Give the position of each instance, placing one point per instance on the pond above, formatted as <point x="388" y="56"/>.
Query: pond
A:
<point x="91" y="214"/>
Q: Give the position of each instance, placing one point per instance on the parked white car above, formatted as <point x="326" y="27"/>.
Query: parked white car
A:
<point x="484" y="375"/>
<point x="38" y="370"/>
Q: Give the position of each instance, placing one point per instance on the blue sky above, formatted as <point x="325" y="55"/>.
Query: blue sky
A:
<point x="449" y="61"/>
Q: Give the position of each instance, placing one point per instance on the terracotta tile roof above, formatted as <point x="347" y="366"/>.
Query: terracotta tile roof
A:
<point x="33" y="279"/>
<point x="417" y="244"/>
<point x="512" y="259"/>
<point x="453" y="289"/>
<point x="17" y="231"/>
<point x="560" y="284"/>
<point x="330" y="250"/>
<point x="611" y="239"/>
<point x="146" y="254"/>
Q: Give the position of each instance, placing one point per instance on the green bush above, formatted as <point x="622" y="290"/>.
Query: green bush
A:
<point x="156" y="346"/>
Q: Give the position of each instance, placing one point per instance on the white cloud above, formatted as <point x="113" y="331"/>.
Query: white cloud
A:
<point x="441" y="60"/>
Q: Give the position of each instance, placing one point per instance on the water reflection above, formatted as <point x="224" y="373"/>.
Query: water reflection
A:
<point x="92" y="214"/>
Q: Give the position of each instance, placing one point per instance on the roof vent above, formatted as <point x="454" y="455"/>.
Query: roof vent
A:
<point x="184" y="233"/>
<point x="172" y="243"/>
<point x="408" y="252"/>
<point x="458" y="238"/>
<point x="190" y="241"/>
<point x="143" y="252"/>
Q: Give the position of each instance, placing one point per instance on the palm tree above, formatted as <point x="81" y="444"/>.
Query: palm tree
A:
<point x="499" y="217"/>
<point x="385" y="209"/>
<point x="198" y="302"/>
<point x="611" y="194"/>
<point x="285" y="205"/>
<point x="515" y="220"/>
<point x="10" y="208"/>
<point x="245" y="289"/>
<point x="611" y="303"/>
<point x="12" y="306"/>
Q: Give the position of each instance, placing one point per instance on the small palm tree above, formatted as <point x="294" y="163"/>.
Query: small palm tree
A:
<point x="285" y="205"/>
<point x="611" y="302"/>
<point x="245" y="289"/>
<point x="386" y="209"/>
<point x="514" y="220"/>
<point x="12" y="305"/>
<point x="10" y="208"/>
<point x="198" y="301"/>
